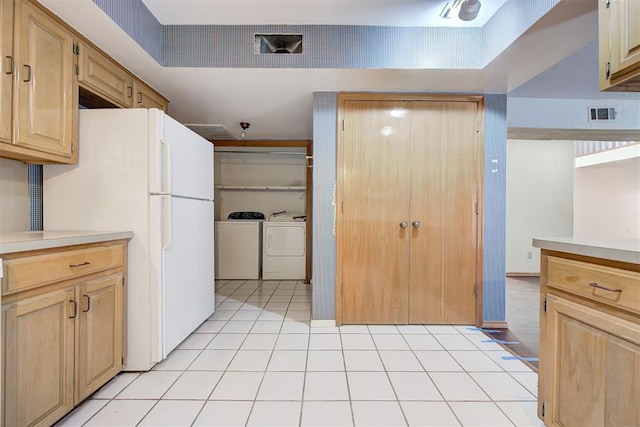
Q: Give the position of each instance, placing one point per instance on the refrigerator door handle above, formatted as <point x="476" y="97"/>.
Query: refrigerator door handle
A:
<point x="166" y="222"/>
<point x="166" y="166"/>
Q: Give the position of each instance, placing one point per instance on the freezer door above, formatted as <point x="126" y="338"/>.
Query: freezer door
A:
<point x="187" y="267"/>
<point x="181" y="160"/>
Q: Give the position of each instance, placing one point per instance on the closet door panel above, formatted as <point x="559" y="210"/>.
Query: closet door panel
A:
<point x="443" y="198"/>
<point x="376" y="156"/>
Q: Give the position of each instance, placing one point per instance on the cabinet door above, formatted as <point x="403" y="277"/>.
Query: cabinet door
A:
<point x="100" y="333"/>
<point x="7" y="68"/>
<point x="44" y="84"/>
<point x="38" y="355"/>
<point x="625" y="36"/>
<point x="591" y="367"/>
<point x="144" y="97"/>
<point x="103" y="76"/>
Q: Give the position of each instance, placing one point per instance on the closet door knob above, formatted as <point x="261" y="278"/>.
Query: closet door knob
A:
<point x="404" y="224"/>
<point x="416" y="224"/>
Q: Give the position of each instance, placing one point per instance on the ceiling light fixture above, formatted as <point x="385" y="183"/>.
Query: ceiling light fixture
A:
<point x="469" y="10"/>
<point x="244" y="126"/>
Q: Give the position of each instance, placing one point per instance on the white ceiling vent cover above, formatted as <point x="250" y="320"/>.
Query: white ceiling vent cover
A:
<point x="597" y="114"/>
<point x="212" y="132"/>
<point x="277" y="43"/>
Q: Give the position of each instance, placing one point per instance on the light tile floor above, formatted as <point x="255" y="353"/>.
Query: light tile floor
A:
<point x="257" y="362"/>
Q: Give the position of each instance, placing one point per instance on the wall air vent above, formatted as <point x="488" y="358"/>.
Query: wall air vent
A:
<point x="601" y="113"/>
<point x="212" y="132"/>
<point x="277" y="43"/>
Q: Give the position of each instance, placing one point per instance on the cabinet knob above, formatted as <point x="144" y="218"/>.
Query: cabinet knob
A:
<point x="404" y="224"/>
<point x="416" y="224"/>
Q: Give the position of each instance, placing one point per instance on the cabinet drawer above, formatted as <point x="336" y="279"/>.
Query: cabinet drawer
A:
<point x="590" y="280"/>
<point x="37" y="270"/>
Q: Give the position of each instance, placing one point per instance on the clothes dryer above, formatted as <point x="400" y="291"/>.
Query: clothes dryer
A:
<point x="284" y="250"/>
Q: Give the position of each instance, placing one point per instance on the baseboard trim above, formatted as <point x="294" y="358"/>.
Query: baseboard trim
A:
<point x="323" y="323"/>
<point x="523" y="274"/>
<point x="495" y="324"/>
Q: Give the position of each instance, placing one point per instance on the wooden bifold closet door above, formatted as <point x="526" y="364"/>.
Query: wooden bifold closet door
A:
<point x="408" y="220"/>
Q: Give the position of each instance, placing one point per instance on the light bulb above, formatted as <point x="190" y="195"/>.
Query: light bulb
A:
<point x="243" y="134"/>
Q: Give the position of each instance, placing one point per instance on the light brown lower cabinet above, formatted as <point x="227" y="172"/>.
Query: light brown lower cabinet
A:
<point x="590" y="345"/>
<point x="61" y="341"/>
<point x="38" y="358"/>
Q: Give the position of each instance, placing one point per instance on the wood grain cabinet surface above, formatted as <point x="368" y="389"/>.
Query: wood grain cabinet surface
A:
<point x="7" y="69"/>
<point x="42" y="96"/>
<point x="619" y="38"/>
<point x="590" y="342"/>
<point x="45" y="64"/>
<point x="100" y="74"/>
<point x="62" y="337"/>
<point x="145" y="97"/>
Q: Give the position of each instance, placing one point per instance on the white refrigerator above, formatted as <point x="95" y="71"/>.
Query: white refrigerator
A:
<point x="140" y="170"/>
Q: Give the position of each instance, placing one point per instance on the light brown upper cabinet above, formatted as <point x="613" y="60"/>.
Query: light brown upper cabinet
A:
<point x="38" y="104"/>
<point x="619" y="35"/>
<point x="44" y="84"/>
<point x="145" y="97"/>
<point x="408" y="220"/>
<point x="46" y="69"/>
<point x="8" y="66"/>
<point x="101" y="75"/>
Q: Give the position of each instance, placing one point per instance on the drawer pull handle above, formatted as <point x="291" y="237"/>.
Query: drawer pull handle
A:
<point x="82" y="264"/>
<point x="595" y="285"/>
<point x="88" y="303"/>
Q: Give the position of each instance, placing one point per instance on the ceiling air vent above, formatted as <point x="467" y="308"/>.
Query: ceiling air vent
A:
<point x="277" y="43"/>
<point x="212" y="132"/>
<point x="601" y="113"/>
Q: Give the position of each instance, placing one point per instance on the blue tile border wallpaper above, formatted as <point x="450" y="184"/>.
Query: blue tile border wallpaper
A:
<point x="325" y="119"/>
<point x="34" y="189"/>
<point x="137" y="21"/>
<point x="495" y="199"/>
<point x="325" y="46"/>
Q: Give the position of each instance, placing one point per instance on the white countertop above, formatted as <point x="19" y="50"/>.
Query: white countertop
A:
<point x="625" y="250"/>
<point x="33" y="240"/>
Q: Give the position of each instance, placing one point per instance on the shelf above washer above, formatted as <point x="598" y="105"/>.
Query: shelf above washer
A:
<point x="261" y="187"/>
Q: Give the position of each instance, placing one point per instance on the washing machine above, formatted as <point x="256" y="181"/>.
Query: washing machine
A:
<point x="284" y="250"/>
<point x="238" y="249"/>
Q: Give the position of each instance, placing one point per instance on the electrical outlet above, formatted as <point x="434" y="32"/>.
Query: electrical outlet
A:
<point x="530" y="255"/>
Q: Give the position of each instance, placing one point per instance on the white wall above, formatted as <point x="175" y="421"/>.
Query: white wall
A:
<point x="539" y="198"/>
<point x="557" y="113"/>
<point x="14" y="198"/>
<point x="607" y="200"/>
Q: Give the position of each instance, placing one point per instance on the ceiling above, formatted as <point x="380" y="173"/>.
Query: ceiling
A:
<point x="314" y="12"/>
<point x="278" y="102"/>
